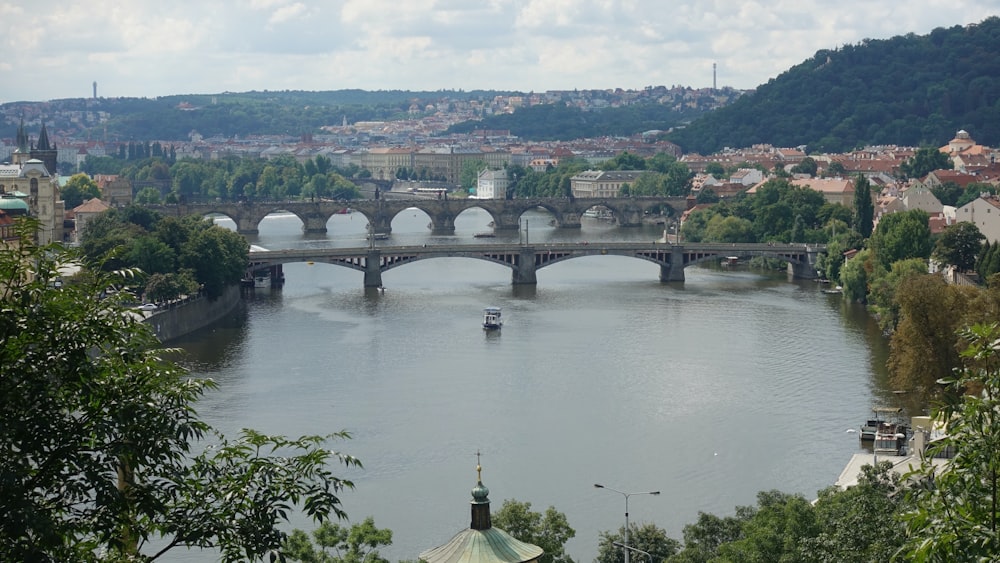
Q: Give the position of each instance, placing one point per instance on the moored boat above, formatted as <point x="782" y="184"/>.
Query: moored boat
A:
<point x="890" y="438"/>
<point x="484" y="235"/>
<point x="880" y="415"/>
<point x="491" y="318"/>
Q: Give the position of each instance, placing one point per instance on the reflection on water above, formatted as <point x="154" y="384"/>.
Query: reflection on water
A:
<point x="711" y="390"/>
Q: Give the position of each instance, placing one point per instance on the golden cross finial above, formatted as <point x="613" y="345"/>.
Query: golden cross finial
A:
<point x="479" y="468"/>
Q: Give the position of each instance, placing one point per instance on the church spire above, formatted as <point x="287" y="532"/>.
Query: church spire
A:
<point x="43" y="139"/>
<point x="22" y="137"/>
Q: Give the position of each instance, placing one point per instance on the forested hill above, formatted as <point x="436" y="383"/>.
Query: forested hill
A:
<point x="907" y="90"/>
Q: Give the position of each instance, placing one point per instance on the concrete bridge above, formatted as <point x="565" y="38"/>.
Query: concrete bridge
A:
<point x="628" y="212"/>
<point x="526" y="260"/>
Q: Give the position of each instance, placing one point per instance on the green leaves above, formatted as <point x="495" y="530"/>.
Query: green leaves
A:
<point x="549" y="530"/>
<point x="100" y="446"/>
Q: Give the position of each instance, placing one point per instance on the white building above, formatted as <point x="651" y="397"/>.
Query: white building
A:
<point x="491" y="184"/>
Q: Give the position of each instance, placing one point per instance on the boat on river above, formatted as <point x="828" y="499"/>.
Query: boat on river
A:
<point x="890" y="438"/>
<point x="486" y="234"/>
<point x="378" y="236"/>
<point x="491" y="318"/>
<point x="880" y="415"/>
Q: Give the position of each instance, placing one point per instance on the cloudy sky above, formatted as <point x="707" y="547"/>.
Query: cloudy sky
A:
<point x="57" y="49"/>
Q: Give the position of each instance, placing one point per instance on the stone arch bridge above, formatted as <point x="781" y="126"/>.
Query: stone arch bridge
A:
<point x="628" y="212"/>
<point x="525" y="260"/>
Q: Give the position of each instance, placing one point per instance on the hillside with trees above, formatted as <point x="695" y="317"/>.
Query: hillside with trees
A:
<point x="559" y="122"/>
<point x="908" y="90"/>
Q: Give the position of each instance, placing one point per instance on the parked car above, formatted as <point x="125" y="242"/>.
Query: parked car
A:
<point x="147" y="307"/>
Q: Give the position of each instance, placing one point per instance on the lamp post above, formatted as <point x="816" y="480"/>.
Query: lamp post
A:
<point x="626" y="495"/>
<point x="625" y="547"/>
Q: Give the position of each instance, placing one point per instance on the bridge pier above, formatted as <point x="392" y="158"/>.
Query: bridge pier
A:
<point x="315" y="225"/>
<point x="442" y="224"/>
<point x="523" y="271"/>
<point x="373" y="269"/>
<point x="630" y="218"/>
<point x="246" y="225"/>
<point x="674" y="271"/>
<point x="381" y="223"/>
<point x="568" y="221"/>
<point x="804" y="270"/>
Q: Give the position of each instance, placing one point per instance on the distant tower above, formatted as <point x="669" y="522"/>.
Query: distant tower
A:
<point x="713" y="76"/>
<point x="95" y="89"/>
<point x="46" y="151"/>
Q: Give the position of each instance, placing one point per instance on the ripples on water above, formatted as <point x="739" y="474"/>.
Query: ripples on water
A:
<point x="711" y="390"/>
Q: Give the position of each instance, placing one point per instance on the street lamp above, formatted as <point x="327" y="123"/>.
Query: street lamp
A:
<point x="625" y="547"/>
<point x="626" y="495"/>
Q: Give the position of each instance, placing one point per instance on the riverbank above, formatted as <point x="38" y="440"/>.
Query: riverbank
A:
<point x="184" y="318"/>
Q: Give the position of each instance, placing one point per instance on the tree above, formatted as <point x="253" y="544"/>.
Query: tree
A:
<point x="948" y="193"/>
<point x="99" y="434"/>
<point x="924" y="348"/>
<point x="549" y="531"/>
<point x="882" y="288"/>
<point x="902" y="235"/>
<point x="716" y="170"/>
<point x="956" y="516"/>
<point x="836" y="169"/>
<point x="703" y="538"/>
<point x="217" y="256"/>
<point x="854" y="277"/>
<point x="924" y="161"/>
<point x="78" y="189"/>
<point x="729" y="229"/>
<point x="855" y="524"/>
<point x="959" y="245"/>
<point x="775" y="530"/>
<point x="359" y="544"/>
<point x="806" y="166"/>
<point x="625" y="161"/>
<point x="148" y="196"/>
<point x="645" y="537"/>
<point x="864" y="208"/>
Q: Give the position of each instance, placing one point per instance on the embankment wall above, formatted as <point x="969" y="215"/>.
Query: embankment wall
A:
<point x="183" y="318"/>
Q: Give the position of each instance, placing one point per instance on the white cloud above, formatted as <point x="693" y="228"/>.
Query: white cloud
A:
<point x="147" y="48"/>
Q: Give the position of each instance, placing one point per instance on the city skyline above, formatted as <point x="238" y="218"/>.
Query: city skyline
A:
<point x="58" y="50"/>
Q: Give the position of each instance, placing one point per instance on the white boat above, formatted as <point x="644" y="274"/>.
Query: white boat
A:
<point x="491" y="318"/>
<point x="378" y="236"/>
<point x="599" y="213"/>
<point x="262" y="281"/>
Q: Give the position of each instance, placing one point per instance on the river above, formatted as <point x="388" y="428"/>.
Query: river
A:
<point x="709" y="391"/>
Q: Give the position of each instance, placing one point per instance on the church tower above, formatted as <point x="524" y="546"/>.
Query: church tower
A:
<point x="46" y="152"/>
<point x="481" y="542"/>
<point x="21" y="148"/>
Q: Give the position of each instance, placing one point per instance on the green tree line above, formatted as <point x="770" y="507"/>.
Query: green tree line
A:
<point x="916" y="90"/>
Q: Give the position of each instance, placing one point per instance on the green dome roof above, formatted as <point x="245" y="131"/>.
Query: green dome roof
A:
<point x="13" y="204"/>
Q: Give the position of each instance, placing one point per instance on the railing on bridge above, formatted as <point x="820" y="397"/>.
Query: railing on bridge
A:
<point x="524" y="260"/>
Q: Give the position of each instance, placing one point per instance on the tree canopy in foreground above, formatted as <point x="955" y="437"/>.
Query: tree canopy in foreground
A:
<point x="102" y="454"/>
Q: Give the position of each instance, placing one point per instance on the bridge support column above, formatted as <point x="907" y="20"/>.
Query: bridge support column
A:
<point x="524" y="267"/>
<point x="803" y="270"/>
<point x="314" y="225"/>
<point x="569" y="221"/>
<point x="246" y="226"/>
<point x="674" y="272"/>
<point x="442" y="224"/>
<point x="630" y="218"/>
<point x="381" y="224"/>
<point x="373" y="268"/>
